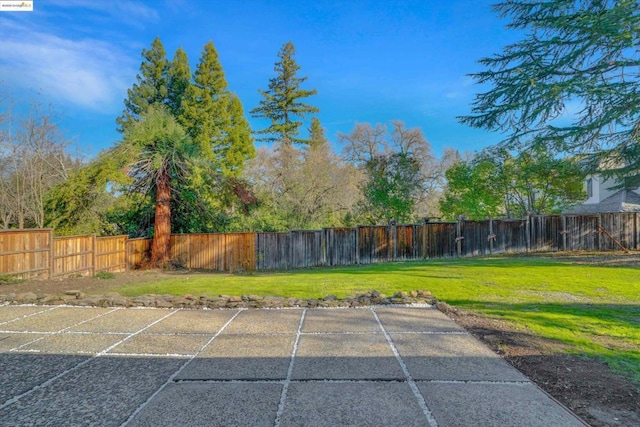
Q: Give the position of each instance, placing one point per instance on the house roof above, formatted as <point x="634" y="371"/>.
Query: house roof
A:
<point x="622" y="201"/>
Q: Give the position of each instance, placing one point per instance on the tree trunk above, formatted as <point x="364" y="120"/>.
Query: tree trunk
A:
<point x="161" y="246"/>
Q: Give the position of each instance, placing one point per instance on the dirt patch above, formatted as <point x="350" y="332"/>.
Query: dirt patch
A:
<point x="88" y="285"/>
<point x="588" y="387"/>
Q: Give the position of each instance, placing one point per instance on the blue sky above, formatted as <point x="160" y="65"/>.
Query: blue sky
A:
<point x="370" y="60"/>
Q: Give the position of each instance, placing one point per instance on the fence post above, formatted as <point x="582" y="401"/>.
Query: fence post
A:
<point x="391" y="252"/>
<point x="563" y="221"/>
<point x="459" y="236"/>
<point x="357" y="239"/>
<point x="93" y="254"/>
<point x="598" y="233"/>
<point x="491" y="236"/>
<point x="425" y="227"/>
<point x="528" y="232"/>
<point x="51" y="254"/>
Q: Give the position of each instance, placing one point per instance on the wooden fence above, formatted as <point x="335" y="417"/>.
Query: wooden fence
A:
<point x="37" y="253"/>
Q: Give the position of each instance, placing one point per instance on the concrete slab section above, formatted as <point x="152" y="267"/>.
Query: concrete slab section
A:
<point x="243" y="357"/>
<point x="186" y="345"/>
<point x="212" y="404"/>
<point x="452" y="357"/>
<point x="416" y="320"/>
<point x="193" y="322"/>
<point x="345" y="320"/>
<point x="490" y="405"/>
<point x="11" y="340"/>
<point x="345" y="357"/>
<point x="73" y="343"/>
<point x="123" y="320"/>
<point x="54" y="320"/>
<point x="351" y="404"/>
<point x="21" y="372"/>
<point x="12" y="312"/>
<point x="265" y="322"/>
<point x="103" y="392"/>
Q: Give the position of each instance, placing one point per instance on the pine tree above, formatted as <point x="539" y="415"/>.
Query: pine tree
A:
<point x="178" y="82"/>
<point x="281" y="104"/>
<point x="214" y="117"/>
<point x="151" y="86"/>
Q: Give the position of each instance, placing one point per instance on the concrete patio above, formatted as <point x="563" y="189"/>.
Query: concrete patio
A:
<point x="408" y="366"/>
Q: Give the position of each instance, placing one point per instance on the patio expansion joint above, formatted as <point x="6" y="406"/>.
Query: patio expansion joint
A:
<point x="171" y="379"/>
<point x="81" y="364"/>
<point x="287" y="381"/>
<point x="30" y="315"/>
<point x="412" y="384"/>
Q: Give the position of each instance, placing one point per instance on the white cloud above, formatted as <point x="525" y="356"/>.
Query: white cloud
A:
<point x="89" y="73"/>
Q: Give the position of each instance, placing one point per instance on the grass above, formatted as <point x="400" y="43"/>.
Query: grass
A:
<point x="593" y="309"/>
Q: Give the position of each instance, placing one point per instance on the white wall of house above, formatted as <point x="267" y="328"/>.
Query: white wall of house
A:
<point x="601" y="188"/>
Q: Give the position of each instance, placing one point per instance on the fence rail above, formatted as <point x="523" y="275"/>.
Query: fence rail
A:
<point x="28" y="253"/>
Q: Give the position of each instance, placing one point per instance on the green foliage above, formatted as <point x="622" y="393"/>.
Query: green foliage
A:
<point x="178" y="82"/>
<point x="472" y="190"/>
<point x="104" y="275"/>
<point x="495" y="183"/>
<point x="393" y="184"/>
<point x="151" y="87"/>
<point x="214" y="117"/>
<point x="281" y="104"/>
<point x="573" y="52"/>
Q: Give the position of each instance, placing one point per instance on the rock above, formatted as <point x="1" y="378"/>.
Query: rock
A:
<point x="234" y="299"/>
<point x="413" y="294"/>
<point x="255" y="298"/>
<point x="75" y="293"/>
<point x="26" y="298"/>
<point x="162" y="303"/>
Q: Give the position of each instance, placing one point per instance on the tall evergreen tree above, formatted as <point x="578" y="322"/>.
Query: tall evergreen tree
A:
<point x="573" y="52"/>
<point x="214" y="117"/>
<point x="151" y="87"/>
<point x="178" y="81"/>
<point x="282" y="101"/>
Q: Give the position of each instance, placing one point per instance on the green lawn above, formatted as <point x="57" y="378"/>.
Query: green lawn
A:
<point x="593" y="309"/>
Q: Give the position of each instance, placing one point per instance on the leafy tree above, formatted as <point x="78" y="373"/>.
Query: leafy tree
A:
<point x="301" y="189"/>
<point x="151" y="87"/>
<point x="389" y="154"/>
<point x="496" y="183"/>
<point x="282" y="101"/>
<point x="392" y="187"/>
<point x="472" y="190"/>
<point x="573" y="53"/>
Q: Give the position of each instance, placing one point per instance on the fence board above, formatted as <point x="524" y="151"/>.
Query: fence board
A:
<point x="73" y="255"/>
<point x="511" y="236"/>
<point x="582" y="232"/>
<point x="25" y="253"/>
<point x="621" y="227"/>
<point x="546" y="233"/>
<point x="441" y="239"/>
<point x="341" y="245"/>
<point x="111" y="254"/>
<point x="475" y="240"/>
<point x="138" y="252"/>
<point x="273" y="251"/>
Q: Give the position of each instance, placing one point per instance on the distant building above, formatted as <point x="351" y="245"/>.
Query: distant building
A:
<point x="603" y="196"/>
